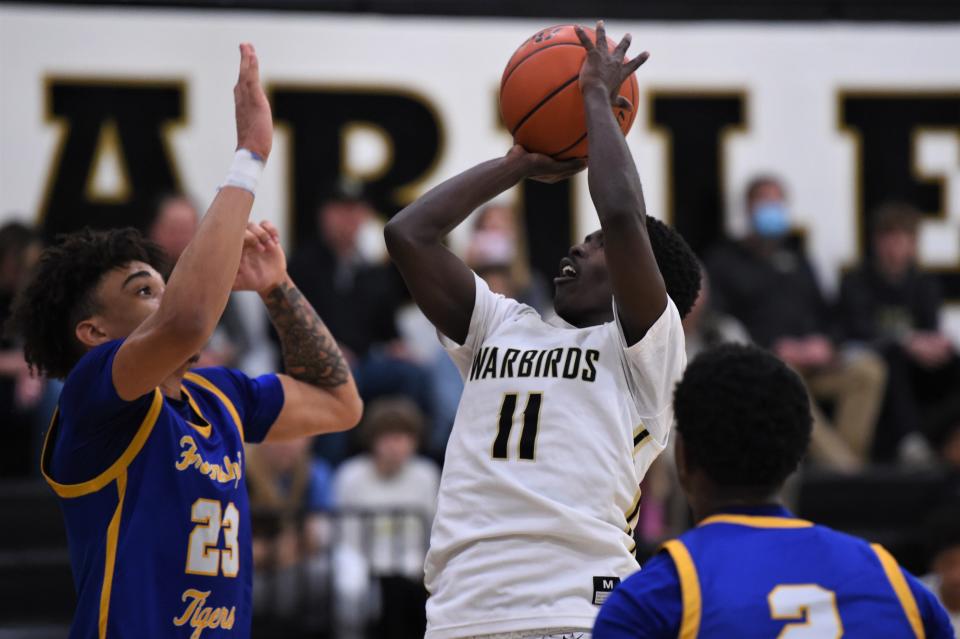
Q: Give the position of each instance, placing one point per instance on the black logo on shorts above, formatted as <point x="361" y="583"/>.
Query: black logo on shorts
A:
<point x="602" y="587"/>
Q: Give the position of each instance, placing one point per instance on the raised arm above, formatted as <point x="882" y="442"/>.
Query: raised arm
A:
<point x="319" y="393"/>
<point x="615" y="188"/>
<point x="439" y="281"/>
<point x="200" y="284"/>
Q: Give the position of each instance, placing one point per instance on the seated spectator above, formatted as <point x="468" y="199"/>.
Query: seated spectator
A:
<point x="289" y="494"/>
<point x="387" y="498"/>
<point x="943" y="538"/>
<point x="890" y="305"/>
<point x="496" y="254"/>
<point x="20" y="391"/>
<point x="770" y="286"/>
<point x="174" y="224"/>
<point x="705" y="327"/>
<point x="358" y="301"/>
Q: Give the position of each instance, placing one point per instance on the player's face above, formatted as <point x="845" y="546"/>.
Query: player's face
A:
<point x="127" y="296"/>
<point x="583" y="291"/>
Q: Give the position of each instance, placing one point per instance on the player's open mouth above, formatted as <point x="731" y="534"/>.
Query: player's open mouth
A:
<point x="568" y="272"/>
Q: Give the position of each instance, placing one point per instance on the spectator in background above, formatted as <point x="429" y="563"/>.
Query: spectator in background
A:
<point x="769" y="285"/>
<point x="705" y="327"/>
<point x="496" y="253"/>
<point x="289" y="496"/>
<point x="358" y="300"/>
<point x="400" y="490"/>
<point x="943" y="538"/>
<point x="20" y="391"/>
<point x="175" y="222"/>
<point x="890" y="305"/>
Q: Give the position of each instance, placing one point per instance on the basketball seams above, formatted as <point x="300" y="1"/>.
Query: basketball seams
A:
<point x="546" y="99"/>
<point x="503" y="81"/>
<point x="570" y="146"/>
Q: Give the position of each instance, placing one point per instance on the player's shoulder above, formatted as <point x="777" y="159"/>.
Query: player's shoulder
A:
<point x="731" y="533"/>
<point x="95" y="363"/>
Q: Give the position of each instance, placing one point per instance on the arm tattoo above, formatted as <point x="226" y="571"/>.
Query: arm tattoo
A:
<point x="310" y="354"/>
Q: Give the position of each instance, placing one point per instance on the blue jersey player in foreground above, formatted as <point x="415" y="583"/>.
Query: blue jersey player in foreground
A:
<point x="749" y="568"/>
<point x="146" y="457"/>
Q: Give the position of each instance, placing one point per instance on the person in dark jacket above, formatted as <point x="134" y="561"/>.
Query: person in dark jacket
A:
<point x="890" y="305"/>
<point x="766" y="281"/>
<point x="359" y="299"/>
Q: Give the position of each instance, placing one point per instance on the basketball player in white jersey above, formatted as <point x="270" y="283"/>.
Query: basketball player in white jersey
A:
<point x="559" y="420"/>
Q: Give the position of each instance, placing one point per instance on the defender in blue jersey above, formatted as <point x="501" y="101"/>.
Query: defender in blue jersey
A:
<point x="749" y="568"/>
<point x="147" y="457"/>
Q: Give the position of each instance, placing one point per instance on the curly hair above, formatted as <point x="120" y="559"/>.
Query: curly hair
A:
<point x="60" y="294"/>
<point x="678" y="264"/>
<point x="744" y="417"/>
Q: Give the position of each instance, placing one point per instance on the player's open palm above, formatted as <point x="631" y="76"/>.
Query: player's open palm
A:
<point x="607" y="68"/>
<point x="254" y="120"/>
<point x="263" y="264"/>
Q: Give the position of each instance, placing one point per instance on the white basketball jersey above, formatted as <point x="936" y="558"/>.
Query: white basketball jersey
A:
<point x="540" y="488"/>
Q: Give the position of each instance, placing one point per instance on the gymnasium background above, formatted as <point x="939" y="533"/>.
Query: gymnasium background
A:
<point x="851" y="103"/>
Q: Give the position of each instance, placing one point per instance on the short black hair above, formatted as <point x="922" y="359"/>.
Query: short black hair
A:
<point x="677" y="262"/>
<point x="761" y="180"/>
<point x="744" y="417"/>
<point x="60" y="293"/>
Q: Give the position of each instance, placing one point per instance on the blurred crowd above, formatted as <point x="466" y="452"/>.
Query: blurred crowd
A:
<point x="347" y="516"/>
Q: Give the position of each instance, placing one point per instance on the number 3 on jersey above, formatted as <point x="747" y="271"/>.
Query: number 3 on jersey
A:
<point x="203" y="556"/>
<point x="531" y="422"/>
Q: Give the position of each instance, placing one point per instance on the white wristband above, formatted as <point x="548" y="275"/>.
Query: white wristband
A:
<point x="245" y="171"/>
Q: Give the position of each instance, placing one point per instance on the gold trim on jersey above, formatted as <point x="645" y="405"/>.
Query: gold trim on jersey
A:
<point x="109" y="563"/>
<point x="901" y="588"/>
<point x="633" y="513"/>
<point x="116" y="469"/>
<point x="641" y="437"/>
<point x="203" y="430"/>
<point x="206" y="384"/>
<point x="757" y="521"/>
<point x="689" y="588"/>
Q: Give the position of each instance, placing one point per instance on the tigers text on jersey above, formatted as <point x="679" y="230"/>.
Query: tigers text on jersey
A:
<point x="758" y="572"/>
<point x="154" y="500"/>
<point x="540" y="489"/>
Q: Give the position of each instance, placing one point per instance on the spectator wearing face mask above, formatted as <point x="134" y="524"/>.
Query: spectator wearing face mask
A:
<point x="20" y="391"/>
<point x="766" y="281"/>
<point x="496" y="252"/>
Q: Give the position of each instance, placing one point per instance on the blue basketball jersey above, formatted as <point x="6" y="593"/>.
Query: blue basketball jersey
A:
<point x="154" y="500"/>
<point x="763" y="573"/>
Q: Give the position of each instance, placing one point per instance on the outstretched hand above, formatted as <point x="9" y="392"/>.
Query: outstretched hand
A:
<point x="544" y="168"/>
<point x="605" y="68"/>
<point x="254" y="120"/>
<point x="263" y="264"/>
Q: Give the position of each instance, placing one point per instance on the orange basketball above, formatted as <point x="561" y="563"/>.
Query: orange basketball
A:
<point x="540" y="99"/>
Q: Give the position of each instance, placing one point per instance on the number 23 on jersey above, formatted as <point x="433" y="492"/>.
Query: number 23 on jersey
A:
<point x="204" y="554"/>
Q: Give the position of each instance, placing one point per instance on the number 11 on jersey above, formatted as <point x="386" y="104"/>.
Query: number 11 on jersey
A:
<point x="531" y="422"/>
